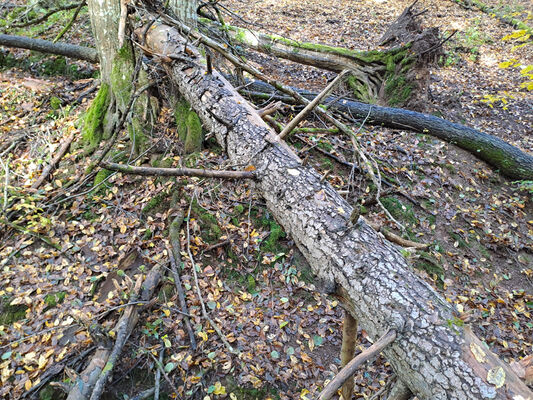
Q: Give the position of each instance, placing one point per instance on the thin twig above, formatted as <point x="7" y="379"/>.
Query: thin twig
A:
<point x="44" y="17"/>
<point x="352" y="366"/>
<point x="70" y="23"/>
<point x="158" y="375"/>
<point x="48" y="169"/>
<point x="198" y="291"/>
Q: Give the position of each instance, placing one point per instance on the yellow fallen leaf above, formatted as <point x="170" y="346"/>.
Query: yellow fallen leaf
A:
<point x="219" y="389"/>
<point x="496" y="376"/>
<point x="478" y="352"/>
<point x="27" y="385"/>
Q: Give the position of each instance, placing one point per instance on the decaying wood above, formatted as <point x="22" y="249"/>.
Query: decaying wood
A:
<point x="350" y="368"/>
<point x="59" y="155"/>
<point x="175" y="263"/>
<point x="46" y="46"/>
<point x="122" y="334"/>
<point x="431" y="353"/>
<point x="524" y="369"/>
<point x="83" y="386"/>
<point x="151" y="171"/>
<point x="349" y="336"/>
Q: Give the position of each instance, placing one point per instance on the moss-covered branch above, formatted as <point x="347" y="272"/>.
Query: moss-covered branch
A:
<point x="510" y="160"/>
<point x="371" y="71"/>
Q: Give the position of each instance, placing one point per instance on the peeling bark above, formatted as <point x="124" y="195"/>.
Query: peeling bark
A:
<point x="432" y="353"/>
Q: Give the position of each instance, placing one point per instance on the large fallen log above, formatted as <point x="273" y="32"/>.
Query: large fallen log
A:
<point x="46" y="46"/>
<point x="434" y="354"/>
<point x="510" y="160"/>
<point x="375" y="74"/>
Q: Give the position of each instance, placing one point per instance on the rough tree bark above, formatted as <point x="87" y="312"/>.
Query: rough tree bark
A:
<point x="118" y="75"/>
<point x="434" y="354"/>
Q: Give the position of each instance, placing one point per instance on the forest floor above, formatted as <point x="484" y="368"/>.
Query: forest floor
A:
<point x="60" y="256"/>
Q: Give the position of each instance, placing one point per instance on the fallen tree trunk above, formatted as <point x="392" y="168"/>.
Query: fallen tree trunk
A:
<point x="46" y="46"/>
<point x="376" y="74"/>
<point x="433" y="354"/>
<point x="510" y="160"/>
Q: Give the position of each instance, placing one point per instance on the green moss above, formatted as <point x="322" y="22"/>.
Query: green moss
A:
<point x="147" y="234"/>
<point x="189" y="126"/>
<point x="399" y="210"/>
<point x="92" y="128"/>
<point x="249" y="393"/>
<point x="122" y="75"/>
<point x="51" y="393"/>
<point x="154" y="202"/>
<point x="55" y="103"/>
<point x="271" y="244"/>
<point x="9" y="313"/>
<point x="137" y="136"/>
<point x="100" y="177"/>
<point x="426" y="262"/>
<point x="53" y="299"/>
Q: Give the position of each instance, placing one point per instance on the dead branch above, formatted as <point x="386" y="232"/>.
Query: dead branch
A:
<point x="199" y="292"/>
<point x="349" y="336"/>
<point x="270" y="108"/>
<point x="175" y="263"/>
<point x="122" y="333"/>
<point x="395" y="238"/>
<point x="513" y="162"/>
<point x="70" y="22"/>
<point x="45" y="16"/>
<point x="46" y="46"/>
<point x="122" y="22"/>
<point x="83" y="386"/>
<point x="48" y="169"/>
<point x="150" y="171"/>
<point x="351" y="367"/>
<point x="311" y="105"/>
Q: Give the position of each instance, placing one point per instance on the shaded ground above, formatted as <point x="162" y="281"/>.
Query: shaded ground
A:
<point x="257" y="286"/>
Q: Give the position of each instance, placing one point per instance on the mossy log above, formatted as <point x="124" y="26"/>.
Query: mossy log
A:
<point x="508" y="159"/>
<point x="46" y="46"/>
<point x="434" y="353"/>
<point x="375" y="75"/>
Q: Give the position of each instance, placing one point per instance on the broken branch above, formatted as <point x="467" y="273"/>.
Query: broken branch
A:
<point x="351" y="367"/>
<point x="150" y="171"/>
